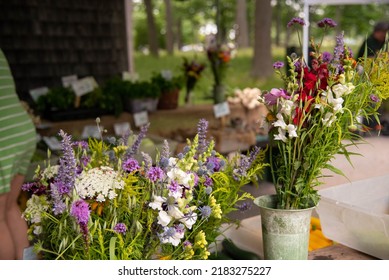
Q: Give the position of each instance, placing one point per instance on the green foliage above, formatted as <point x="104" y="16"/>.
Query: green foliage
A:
<point x="174" y="216"/>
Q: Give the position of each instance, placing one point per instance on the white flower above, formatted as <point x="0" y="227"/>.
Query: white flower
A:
<point x="340" y="90"/>
<point x="287" y="106"/>
<point x="174" y="211"/>
<point x="280" y="122"/>
<point x="180" y="176"/>
<point x="291" y="130"/>
<point x="172" y="235"/>
<point x="189" y="220"/>
<point x="157" y="203"/>
<point x="164" y="218"/>
<point x="98" y="183"/>
<point x="281" y="135"/>
<point x="328" y="119"/>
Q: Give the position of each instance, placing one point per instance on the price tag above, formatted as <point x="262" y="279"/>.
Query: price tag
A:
<point x="221" y="109"/>
<point x="53" y="143"/>
<point x="132" y="77"/>
<point x="68" y="80"/>
<point x="141" y="118"/>
<point x="83" y="86"/>
<point x="37" y="92"/>
<point x="91" y="131"/>
<point x="121" y="128"/>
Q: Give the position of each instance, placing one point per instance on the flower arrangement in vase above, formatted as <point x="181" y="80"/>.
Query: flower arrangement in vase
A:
<point x="317" y="115"/>
<point x="108" y="200"/>
<point x="313" y="119"/>
<point x="219" y="56"/>
<point x="192" y="73"/>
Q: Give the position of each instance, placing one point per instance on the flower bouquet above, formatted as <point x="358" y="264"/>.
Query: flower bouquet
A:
<point x="101" y="202"/>
<point x="192" y="73"/>
<point x="318" y="115"/>
<point x="219" y="56"/>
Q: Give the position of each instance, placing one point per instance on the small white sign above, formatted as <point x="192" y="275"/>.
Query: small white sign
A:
<point x="167" y="74"/>
<point x="141" y="118"/>
<point x="37" y="92"/>
<point x="83" y="86"/>
<point x="68" y="80"/>
<point x="91" y="131"/>
<point x="221" y="109"/>
<point x="53" y="143"/>
<point x="132" y="77"/>
<point x="121" y="128"/>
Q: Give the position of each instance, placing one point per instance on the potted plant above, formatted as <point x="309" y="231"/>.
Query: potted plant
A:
<point x="102" y="203"/>
<point x="315" y="117"/>
<point x="169" y="87"/>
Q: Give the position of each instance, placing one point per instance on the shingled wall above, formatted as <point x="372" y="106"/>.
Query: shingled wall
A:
<point x="45" y="40"/>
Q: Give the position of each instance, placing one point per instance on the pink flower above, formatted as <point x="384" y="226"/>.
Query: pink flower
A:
<point x="274" y="94"/>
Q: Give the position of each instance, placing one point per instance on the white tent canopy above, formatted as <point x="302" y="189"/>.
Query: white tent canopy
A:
<point x="309" y="3"/>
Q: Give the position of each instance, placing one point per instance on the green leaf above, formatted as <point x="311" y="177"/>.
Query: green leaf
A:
<point x="112" y="247"/>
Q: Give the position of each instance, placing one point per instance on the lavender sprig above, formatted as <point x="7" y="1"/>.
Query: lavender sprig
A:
<point x="202" y="129"/>
<point x="67" y="165"/>
<point x="135" y="146"/>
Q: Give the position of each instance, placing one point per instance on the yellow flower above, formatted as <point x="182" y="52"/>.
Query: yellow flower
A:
<point x="216" y="210"/>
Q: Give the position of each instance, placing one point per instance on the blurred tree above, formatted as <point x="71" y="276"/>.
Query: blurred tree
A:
<point x="152" y="29"/>
<point x="262" y="60"/>
<point x="241" y="29"/>
<point x="169" y="27"/>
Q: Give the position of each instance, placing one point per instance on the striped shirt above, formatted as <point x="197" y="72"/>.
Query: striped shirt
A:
<point x="17" y="132"/>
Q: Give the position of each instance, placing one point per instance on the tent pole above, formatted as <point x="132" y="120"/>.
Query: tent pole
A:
<point x="306" y="32"/>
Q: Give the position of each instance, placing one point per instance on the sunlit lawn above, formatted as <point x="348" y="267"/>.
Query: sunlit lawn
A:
<point x="238" y="74"/>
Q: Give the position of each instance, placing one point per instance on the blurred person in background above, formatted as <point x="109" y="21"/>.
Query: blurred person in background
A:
<point x="17" y="146"/>
<point x="376" y="40"/>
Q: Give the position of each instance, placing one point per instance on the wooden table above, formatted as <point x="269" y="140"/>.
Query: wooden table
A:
<point x="338" y="252"/>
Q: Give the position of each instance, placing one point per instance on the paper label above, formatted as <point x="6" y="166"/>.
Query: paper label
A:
<point x="68" y="80"/>
<point x="83" y="86"/>
<point x="132" y="77"/>
<point x="91" y="131"/>
<point x="121" y="128"/>
<point x="52" y="142"/>
<point x="141" y="118"/>
<point x="37" y="92"/>
<point x="221" y="109"/>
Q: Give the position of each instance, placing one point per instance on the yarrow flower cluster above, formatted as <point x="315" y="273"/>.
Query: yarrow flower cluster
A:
<point x="121" y="204"/>
<point x="317" y="111"/>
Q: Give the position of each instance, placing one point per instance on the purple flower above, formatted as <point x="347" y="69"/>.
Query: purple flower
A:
<point x="165" y="153"/>
<point x="294" y="21"/>
<point x="155" y="173"/>
<point x="374" y="98"/>
<point x="208" y="182"/>
<point x="82" y="144"/>
<point x="59" y="205"/>
<point x="202" y="128"/>
<point x="186" y="243"/>
<point x="130" y="165"/>
<point x="135" y="146"/>
<point x="120" y="228"/>
<point x="244" y="206"/>
<point x="326" y="56"/>
<point x="326" y="22"/>
<point x="80" y="211"/>
<point x="67" y="166"/>
<point x="34" y="188"/>
<point x="278" y="65"/>
<point x="274" y="94"/>
<point x="205" y="211"/>
<point x="208" y="190"/>
<point x="214" y="164"/>
<point x="174" y="187"/>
